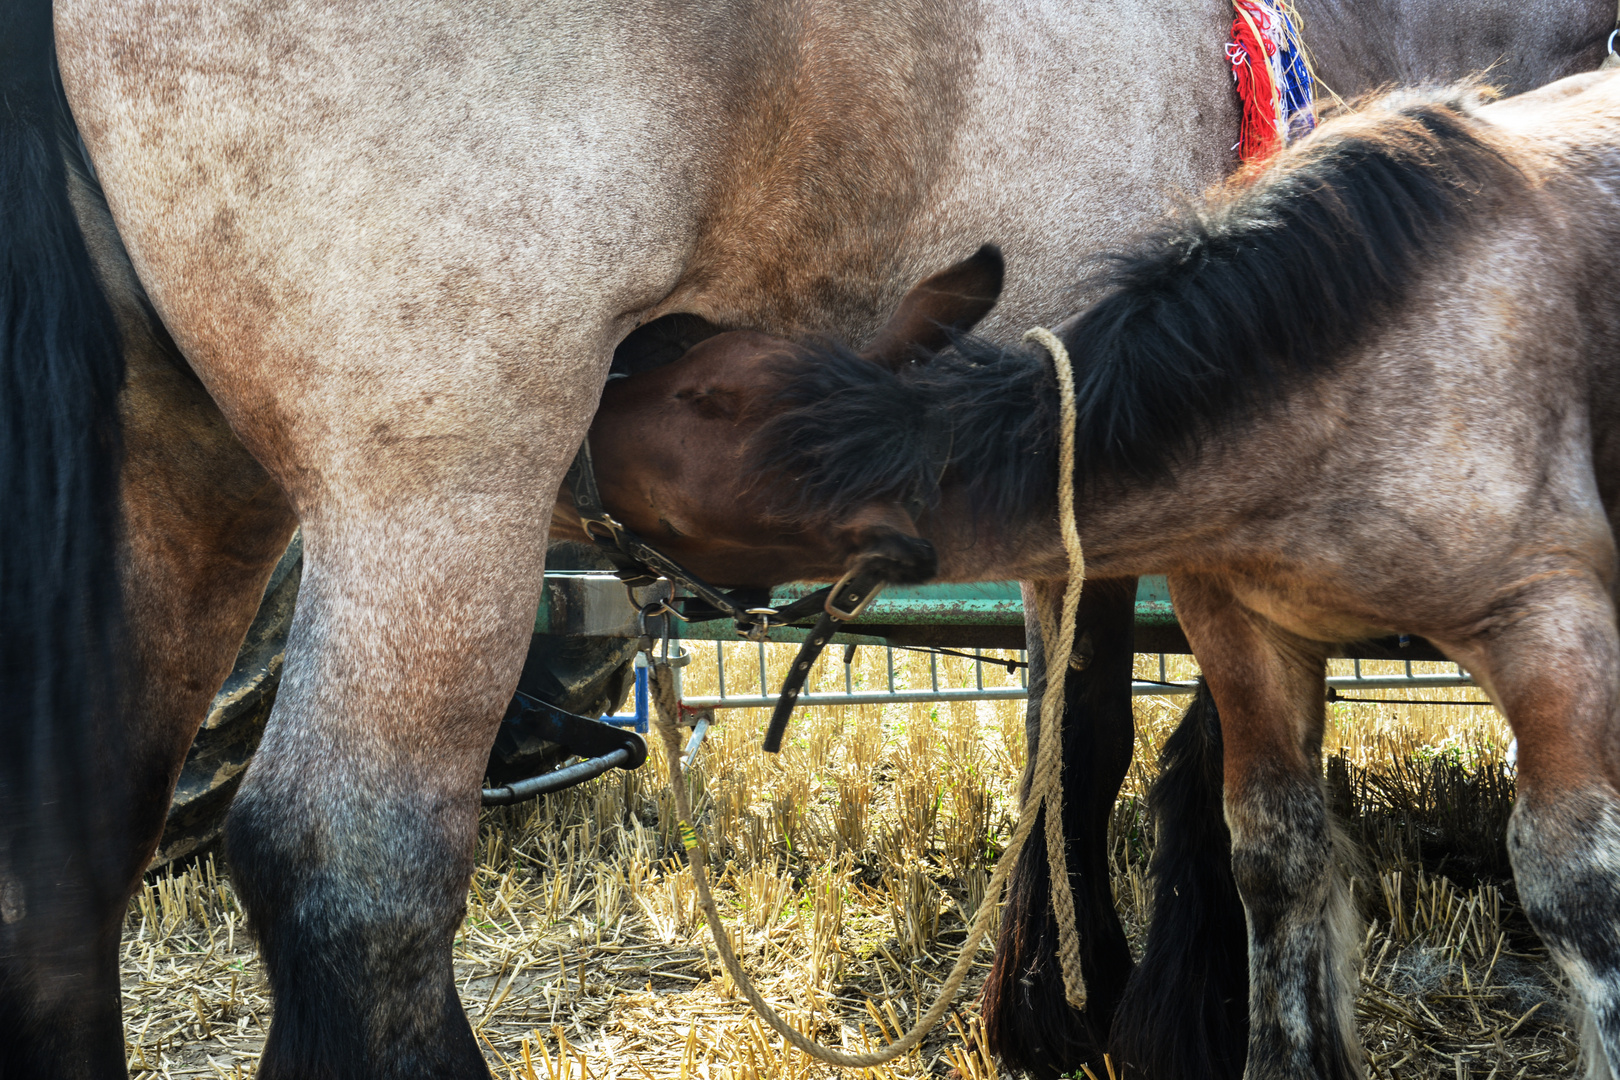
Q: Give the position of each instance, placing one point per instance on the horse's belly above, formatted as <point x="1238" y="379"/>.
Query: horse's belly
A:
<point x="1311" y="610"/>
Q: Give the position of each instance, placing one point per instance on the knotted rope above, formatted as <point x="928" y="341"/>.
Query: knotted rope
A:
<point x="1045" y="791"/>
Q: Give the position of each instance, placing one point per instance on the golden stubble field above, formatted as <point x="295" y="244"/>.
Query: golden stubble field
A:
<point x="849" y="866"/>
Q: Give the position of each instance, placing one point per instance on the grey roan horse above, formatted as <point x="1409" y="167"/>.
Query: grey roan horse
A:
<point x="361" y="268"/>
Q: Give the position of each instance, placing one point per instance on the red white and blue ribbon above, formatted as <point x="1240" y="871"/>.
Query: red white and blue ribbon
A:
<point x="1273" y="79"/>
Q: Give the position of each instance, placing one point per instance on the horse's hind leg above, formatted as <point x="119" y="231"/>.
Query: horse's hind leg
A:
<point x="203" y="526"/>
<point x="1028" y="1021"/>
<point x="1185" y="1012"/>
<point x="351" y="840"/>
<point x="1269" y="687"/>
<point x="1553" y="667"/>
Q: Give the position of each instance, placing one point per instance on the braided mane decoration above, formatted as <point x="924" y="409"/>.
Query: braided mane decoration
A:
<point x="1272" y="75"/>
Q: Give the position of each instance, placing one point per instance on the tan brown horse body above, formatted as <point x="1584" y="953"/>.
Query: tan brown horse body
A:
<point x="1373" y="390"/>
<point x="367" y="266"/>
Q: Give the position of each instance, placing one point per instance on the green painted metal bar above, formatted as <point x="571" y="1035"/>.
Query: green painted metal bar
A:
<point x="597" y="604"/>
<point x="996" y="603"/>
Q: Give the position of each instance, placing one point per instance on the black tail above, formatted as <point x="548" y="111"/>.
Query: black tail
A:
<point x="1027" y="1020"/>
<point x="1185" y="1014"/>
<point x="62" y="851"/>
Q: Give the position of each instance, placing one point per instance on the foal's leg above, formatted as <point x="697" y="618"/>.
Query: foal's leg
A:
<point x="1554" y="668"/>
<point x="1269" y="687"/>
<point x="1027" y="1019"/>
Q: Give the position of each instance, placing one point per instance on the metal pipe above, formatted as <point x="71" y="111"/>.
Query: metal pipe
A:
<point x="1003" y="693"/>
<point x="865" y="698"/>
<point x="577" y="773"/>
<point x="699" y="730"/>
<point x="1337" y="682"/>
<point x="641" y="693"/>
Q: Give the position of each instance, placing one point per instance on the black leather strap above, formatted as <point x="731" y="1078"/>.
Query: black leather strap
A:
<point x="844" y="601"/>
<point x="635" y="561"/>
<point x="639" y="564"/>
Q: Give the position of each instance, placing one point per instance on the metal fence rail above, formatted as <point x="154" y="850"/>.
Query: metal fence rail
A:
<point x="1162" y="687"/>
<point x="850" y="695"/>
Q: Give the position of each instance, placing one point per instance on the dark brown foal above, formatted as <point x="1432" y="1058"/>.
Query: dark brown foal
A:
<point x="1350" y="396"/>
<point x="671" y="447"/>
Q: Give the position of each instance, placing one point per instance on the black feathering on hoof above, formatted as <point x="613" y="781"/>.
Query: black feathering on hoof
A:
<point x="1028" y="1022"/>
<point x="1185" y="1014"/>
<point x="362" y="977"/>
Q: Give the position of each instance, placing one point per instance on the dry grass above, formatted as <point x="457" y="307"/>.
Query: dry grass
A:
<point x="850" y="864"/>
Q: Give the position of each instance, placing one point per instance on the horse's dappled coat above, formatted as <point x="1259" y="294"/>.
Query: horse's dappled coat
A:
<point x="392" y="248"/>
<point x="1217" y="316"/>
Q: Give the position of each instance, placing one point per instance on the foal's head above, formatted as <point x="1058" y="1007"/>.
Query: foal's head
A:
<point x="674" y="454"/>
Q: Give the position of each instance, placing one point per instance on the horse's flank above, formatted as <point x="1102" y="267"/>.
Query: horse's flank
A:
<point x="1361" y="45"/>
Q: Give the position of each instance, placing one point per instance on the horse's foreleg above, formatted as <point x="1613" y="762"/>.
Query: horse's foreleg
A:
<point x="351" y="840"/>
<point x="1185" y="1013"/>
<point x="1027" y="1019"/>
<point x="1554" y="669"/>
<point x="1269" y="688"/>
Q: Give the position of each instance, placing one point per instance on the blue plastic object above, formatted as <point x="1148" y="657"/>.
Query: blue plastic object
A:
<point x="637" y="719"/>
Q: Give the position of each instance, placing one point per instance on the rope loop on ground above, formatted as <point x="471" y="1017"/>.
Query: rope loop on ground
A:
<point x="1046" y="789"/>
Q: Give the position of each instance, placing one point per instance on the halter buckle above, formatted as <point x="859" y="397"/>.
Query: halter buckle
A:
<point x="851" y="596"/>
<point x="760" y="628"/>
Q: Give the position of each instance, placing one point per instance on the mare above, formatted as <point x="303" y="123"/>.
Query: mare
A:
<point x="363" y="269"/>
<point x="1370" y="389"/>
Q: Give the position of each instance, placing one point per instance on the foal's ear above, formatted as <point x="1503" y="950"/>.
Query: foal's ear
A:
<point x="951" y="301"/>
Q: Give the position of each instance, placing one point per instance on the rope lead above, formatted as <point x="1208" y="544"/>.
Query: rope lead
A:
<point x="1045" y="791"/>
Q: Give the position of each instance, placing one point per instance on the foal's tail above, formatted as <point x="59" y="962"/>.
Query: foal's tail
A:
<point x="1185" y="1014"/>
<point x="61" y="368"/>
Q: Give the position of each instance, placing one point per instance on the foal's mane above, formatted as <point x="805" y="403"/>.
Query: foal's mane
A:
<point x="1210" y="319"/>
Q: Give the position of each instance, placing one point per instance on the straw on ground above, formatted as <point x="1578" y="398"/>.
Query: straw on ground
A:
<point x="850" y="864"/>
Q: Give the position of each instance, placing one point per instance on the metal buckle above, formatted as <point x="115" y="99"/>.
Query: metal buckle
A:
<point x="843" y="593"/>
<point x="760" y="628"/>
<point x="611" y="528"/>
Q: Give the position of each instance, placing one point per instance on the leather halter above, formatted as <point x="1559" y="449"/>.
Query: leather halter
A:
<point x="854" y="591"/>
<point x="844" y="601"/>
<point x="637" y="563"/>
